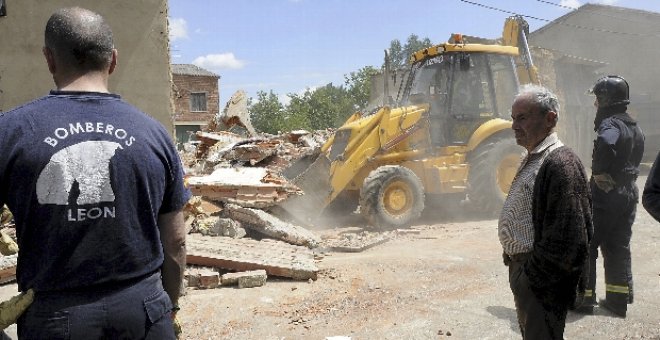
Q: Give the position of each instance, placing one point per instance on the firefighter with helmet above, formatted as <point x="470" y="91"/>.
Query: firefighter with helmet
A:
<point x="617" y="152"/>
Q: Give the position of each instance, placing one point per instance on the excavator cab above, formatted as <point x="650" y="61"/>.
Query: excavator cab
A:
<point x="464" y="90"/>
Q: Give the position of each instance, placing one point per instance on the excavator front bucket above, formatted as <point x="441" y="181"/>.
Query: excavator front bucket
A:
<point x="315" y="184"/>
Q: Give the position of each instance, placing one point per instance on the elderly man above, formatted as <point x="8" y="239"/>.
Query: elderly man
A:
<point x="545" y="225"/>
<point x="96" y="189"/>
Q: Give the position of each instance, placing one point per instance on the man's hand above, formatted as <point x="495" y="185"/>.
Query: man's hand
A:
<point x="604" y="182"/>
<point x="506" y="259"/>
<point x="173" y="236"/>
<point x="7" y="245"/>
<point x="12" y="309"/>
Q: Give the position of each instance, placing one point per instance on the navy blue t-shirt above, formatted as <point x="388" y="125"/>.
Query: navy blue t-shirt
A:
<point x="86" y="176"/>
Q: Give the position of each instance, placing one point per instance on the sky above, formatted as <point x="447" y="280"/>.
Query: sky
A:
<point x="288" y="46"/>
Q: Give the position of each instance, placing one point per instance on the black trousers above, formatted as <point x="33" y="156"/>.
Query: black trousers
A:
<point x="536" y="320"/>
<point x="612" y="234"/>
<point x="139" y="310"/>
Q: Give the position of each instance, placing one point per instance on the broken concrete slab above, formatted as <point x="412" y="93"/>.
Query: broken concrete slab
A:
<point x="277" y="258"/>
<point x="272" y="226"/>
<point x="218" y="226"/>
<point x="249" y="187"/>
<point x="353" y="243"/>
<point x="408" y="231"/>
<point x="236" y="112"/>
<point x="253" y="152"/>
<point x="231" y="228"/>
<point x="213" y="145"/>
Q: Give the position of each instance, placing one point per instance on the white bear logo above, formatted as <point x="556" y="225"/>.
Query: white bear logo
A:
<point x="87" y="163"/>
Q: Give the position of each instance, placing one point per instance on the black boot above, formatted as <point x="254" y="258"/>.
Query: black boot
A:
<point x="631" y="296"/>
<point x="616" y="303"/>
<point x="588" y="303"/>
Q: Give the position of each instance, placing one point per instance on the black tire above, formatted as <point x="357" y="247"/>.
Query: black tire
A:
<point x="493" y="165"/>
<point x="391" y="196"/>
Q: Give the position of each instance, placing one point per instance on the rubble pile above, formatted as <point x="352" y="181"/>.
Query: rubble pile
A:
<point x="8" y="246"/>
<point x="236" y="180"/>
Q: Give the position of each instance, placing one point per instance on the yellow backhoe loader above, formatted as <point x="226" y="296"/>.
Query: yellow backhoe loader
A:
<point x="448" y="132"/>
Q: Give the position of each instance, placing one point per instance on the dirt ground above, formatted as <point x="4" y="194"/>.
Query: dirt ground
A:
<point x="445" y="282"/>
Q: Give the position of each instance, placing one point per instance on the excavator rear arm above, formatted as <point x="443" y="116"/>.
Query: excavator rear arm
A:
<point x="515" y="34"/>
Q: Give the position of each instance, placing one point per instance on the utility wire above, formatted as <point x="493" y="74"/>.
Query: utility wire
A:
<point x="558" y="5"/>
<point x="561" y="23"/>
<point x="592" y="12"/>
<point x="504" y="11"/>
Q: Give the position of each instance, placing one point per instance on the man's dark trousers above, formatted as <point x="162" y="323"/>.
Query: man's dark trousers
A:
<point x="135" y="310"/>
<point x="535" y="320"/>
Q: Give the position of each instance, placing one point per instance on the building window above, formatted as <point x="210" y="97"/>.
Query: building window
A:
<point x="198" y="102"/>
<point x="3" y="8"/>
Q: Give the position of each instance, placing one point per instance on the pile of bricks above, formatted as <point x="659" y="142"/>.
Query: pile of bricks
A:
<point x="235" y="181"/>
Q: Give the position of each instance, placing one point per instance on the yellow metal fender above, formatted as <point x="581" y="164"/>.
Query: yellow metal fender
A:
<point x="486" y="130"/>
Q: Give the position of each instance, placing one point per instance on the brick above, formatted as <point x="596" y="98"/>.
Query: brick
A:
<point x="251" y="281"/>
<point x="208" y="280"/>
<point x="257" y="276"/>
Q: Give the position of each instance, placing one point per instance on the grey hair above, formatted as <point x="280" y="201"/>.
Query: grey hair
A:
<point x="80" y="38"/>
<point x="541" y="97"/>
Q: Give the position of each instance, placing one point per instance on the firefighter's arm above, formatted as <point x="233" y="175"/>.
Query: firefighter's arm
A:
<point x="12" y="309"/>
<point x="173" y="237"/>
<point x="605" y="147"/>
<point x="651" y="194"/>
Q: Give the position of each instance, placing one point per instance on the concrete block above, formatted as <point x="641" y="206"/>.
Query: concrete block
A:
<point x="256" y="279"/>
<point x="257" y="276"/>
<point x="208" y="280"/>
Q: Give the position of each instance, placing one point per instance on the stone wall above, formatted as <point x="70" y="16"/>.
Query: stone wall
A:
<point x="140" y="31"/>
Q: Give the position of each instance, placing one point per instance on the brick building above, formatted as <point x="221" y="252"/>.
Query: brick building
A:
<point x="196" y="99"/>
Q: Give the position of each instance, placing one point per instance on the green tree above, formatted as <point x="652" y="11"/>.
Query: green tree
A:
<point x="399" y="55"/>
<point x="267" y="113"/>
<point x="359" y="86"/>
<point x="325" y="107"/>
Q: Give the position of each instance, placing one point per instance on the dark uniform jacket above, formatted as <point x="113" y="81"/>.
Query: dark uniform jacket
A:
<point x="618" y="150"/>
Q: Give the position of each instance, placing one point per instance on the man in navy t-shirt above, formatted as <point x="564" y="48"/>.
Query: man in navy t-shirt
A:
<point x="96" y="189"/>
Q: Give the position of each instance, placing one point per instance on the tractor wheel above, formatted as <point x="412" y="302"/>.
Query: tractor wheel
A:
<point x="391" y="196"/>
<point x="493" y="165"/>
